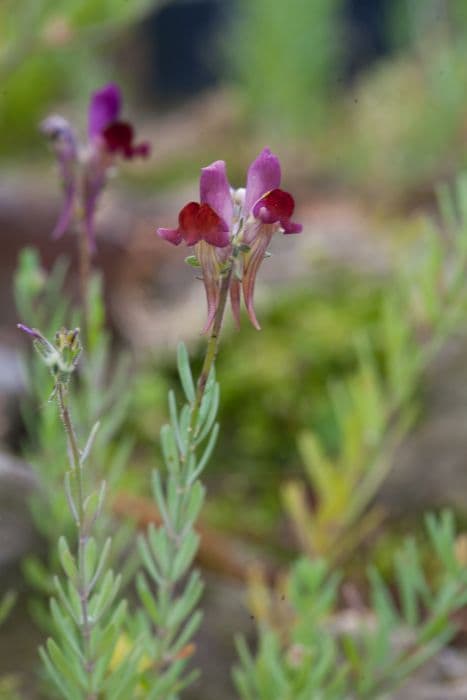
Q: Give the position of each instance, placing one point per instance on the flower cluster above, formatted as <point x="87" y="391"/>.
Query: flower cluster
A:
<point x="231" y="229"/>
<point x="84" y="168"/>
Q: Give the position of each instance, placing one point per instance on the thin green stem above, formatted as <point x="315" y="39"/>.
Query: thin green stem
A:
<point x="212" y="346"/>
<point x="165" y="633"/>
<point x="84" y="277"/>
<point x="77" y="473"/>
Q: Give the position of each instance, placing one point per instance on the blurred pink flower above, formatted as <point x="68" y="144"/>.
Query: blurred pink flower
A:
<point x="84" y="169"/>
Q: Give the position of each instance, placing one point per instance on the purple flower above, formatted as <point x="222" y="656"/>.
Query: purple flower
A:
<point x="207" y="226"/>
<point x="30" y="331"/>
<point x="209" y="221"/>
<point x="66" y="149"/>
<point x="235" y="224"/>
<point x="84" y="170"/>
<point x="105" y="127"/>
<point x="41" y="344"/>
<point x="267" y="209"/>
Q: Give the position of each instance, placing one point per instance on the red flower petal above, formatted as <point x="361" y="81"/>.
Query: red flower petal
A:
<point x="188" y="223"/>
<point x="199" y="222"/>
<point x="277" y="205"/>
<point x="119" y="137"/>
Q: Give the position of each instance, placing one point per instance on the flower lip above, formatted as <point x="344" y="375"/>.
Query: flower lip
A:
<point x="199" y="222"/>
<point x="172" y="235"/>
<point x="118" y="138"/>
<point x="277" y="206"/>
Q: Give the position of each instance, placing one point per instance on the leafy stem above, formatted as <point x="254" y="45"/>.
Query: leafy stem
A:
<point x="168" y="551"/>
<point x="76" y="469"/>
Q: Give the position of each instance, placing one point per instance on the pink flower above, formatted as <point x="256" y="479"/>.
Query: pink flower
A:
<point x="84" y="169"/>
<point x="66" y="150"/>
<point x="209" y="221"/>
<point x="235" y="226"/>
<point x="106" y="128"/>
<point x="207" y="226"/>
<point x="267" y="209"/>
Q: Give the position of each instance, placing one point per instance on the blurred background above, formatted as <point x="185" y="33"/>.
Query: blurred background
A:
<point x="365" y="102"/>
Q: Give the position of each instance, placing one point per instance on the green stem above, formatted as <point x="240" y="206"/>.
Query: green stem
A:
<point x="77" y="473"/>
<point x="84" y="277"/>
<point x="166" y="599"/>
<point x="212" y="346"/>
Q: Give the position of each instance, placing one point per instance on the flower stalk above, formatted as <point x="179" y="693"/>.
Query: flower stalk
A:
<point x="76" y="472"/>
<point x="169" y="550"/>
<point x="88" y="618"/>
<point x="84" y="267"/>
<point x="213" y="342"/>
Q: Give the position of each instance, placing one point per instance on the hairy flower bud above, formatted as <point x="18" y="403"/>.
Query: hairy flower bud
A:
<point x="61" y="357"/>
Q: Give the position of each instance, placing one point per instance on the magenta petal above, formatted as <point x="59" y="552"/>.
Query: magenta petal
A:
<point x="254" y="260"/>
<point x="65" y="147"/>
<point x="215" y="191"/>
<point x="68" y="174"/>
<point x="93" y="185"/>
<point x="235" y="300"/>
<point x="206" y="255"/>
<point x="172" y="235"/>
<point x="264" y="175"/>
<point x="291" y="227"/>
<point x="104" y="109"/>
<point x="30" y="331"/>
<point x="219" y="238"/>
<point x="89" y="214"/>
<point x="251" y="231"/>
<point x="66" y="215"/>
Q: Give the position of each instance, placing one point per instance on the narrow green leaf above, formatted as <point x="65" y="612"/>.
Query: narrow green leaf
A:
<point x="210" y="416"/>
<point x="65" y="628"/>
<point x="193" y="507"/>
<point x="185" y="555"/>
<point x="188" y="632"/>
<point x="148" y="561"/>
<point x="93" y="505"/>
<point x="169" y="449"/>
<point x="89" y="443"/>
<point x="6" y="605"/>
<point x="206" y="455"/>
<point x="158" y="539"/>
<point x="67" y="560"/>
<point x="71" y="604"/>
<point x="184" y="371"/>
<point x="67" y="668"/>
<point x="174" y="421"/>
<point x="70" y="499"/>
<point x="103" y="598"/>
<point x="147" y="599"/>
<point x="103" y="560"/>
<point x="185" y="604"/>
<point x="60" y="683"/>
